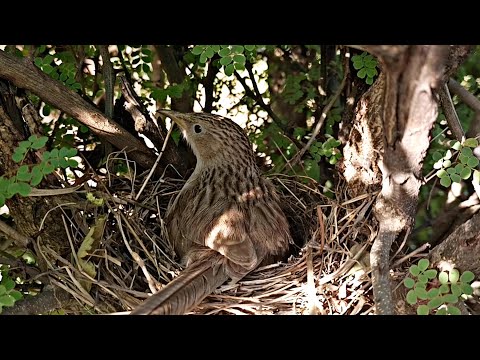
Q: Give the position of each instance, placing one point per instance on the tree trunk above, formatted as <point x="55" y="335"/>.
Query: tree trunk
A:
<point x="388" y="143"/>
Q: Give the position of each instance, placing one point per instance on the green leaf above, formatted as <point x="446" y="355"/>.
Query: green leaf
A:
<point x="203" y="58"/>
<point x="55" y="163"/>
<point x="72" y="163"/>
<point x="435" y="303"/>
<point x="63" y="163"/>
<point x="362" y="73"/>
<point x="9" y="284"/>
<point x="370" y="72"/>
<point x="467" y="151"/>
<point x="472" y="162"/>
<point x="450" y="171"/>
<point x="466" y="288"/>
<point x="444" y="288"/>
<point x="3" y="290"/>
<point x="369" y="80"/>
<point x="209" y="52"/>
<point x="433" y="293"/>
<point x="441" y="311"/>
<point x="7" y="300"/>
<point x="239" y="66"/>
<point x="197" y="49"/>
<point x="465" y="174"/>
<point x="24" y="189"/>
<point x="423" y="310"/>
<point x="421" y="293"/>
<point x="453" y="276"/>
<point x="48" y="168"/>
<point x="23" y="173"/>
<point x="312" y="169"/>
<point x="228" y="70"/>
<point x="431" y="273"/>
<point x="437" y="155"/>
<point x="38" y="61"/>
<point x="445" y="181"/>
<point x="18" y="156"/>
<point x="456" y="289"/>
<point x="448" y="163"/>
<point x="239" y="58"/>
<point x="47" y="69"/>
<point x="471" y="142"/>
<point x="458" y="168"/>
<point x="411" y="297"/>
<point x="249" y="47"/>
<point x="70" y="152"/>
<point x="224" y="52"/>
<point x="423" y="264"/>
<point x="443" y="277"/>
<point x="2" y="199"/>
<point x="450" y="298"/>
<point x="409" y="282"/>
<point x="225" y="60"/>
<point x="476" y="177"/>
<point x="215" y="48"/>
<point x="237" y="49"/>
<point x="456" y="178"/>
<point x="37" y="175"/>
<point x="453" y="310"/>
<point x="356" y="58"/>
<point x="17" y="295"/>
<point x="414" y="270"/>
<point x="441" y="173"/>
<point x="54" y="153"/>
<point x="467" y="277"/>
<point x="422" y="279"/>
<point x="47" y="60"/>
<point x="456" y="145"/>
<point x="463" y="159"/>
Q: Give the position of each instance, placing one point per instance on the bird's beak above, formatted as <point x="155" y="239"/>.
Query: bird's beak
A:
<point x="176" y="116"/>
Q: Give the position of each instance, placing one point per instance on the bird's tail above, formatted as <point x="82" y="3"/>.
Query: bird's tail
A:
<point x="187" y="290"/>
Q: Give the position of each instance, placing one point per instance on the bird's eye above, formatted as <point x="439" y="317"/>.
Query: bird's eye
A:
<point x="197" y="128"/>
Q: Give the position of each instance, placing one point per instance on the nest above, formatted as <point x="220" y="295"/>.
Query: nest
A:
<point x="120" y="252"/>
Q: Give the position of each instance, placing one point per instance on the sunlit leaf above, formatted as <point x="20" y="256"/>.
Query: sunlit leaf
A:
<point x="411" y="297"/>
<point x="471" y="142"/>
<point x="423" y="310"/>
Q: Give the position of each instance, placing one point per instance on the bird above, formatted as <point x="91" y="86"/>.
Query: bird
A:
<point x="226" y="220"/>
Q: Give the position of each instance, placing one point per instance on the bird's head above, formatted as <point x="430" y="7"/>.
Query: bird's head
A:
<point x="213" y="138"/>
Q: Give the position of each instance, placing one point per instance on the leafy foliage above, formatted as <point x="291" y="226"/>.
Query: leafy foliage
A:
<point x="436" y="293"/>
<point x="366" y="66"/>
<point x="27" y="177"/>
<point x="8" y="294"/>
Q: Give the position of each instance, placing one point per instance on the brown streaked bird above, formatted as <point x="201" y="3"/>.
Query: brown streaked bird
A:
<point x="226" y="220"/>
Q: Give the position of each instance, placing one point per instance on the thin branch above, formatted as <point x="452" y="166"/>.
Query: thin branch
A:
<point x="19" y="239"/>
<point x="208" y="85"/>
<point x="24" y="74"/>
<point x="259" y="100"/>
<point x="109" y="78"/>
<point x="450" y="113"/>
<point x="322" y="118"/>
<point x="467" y="97"/>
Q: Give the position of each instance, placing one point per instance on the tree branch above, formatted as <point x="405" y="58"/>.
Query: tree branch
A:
<point x="322" y="118"/>
<point x="257" y="97"/>
<point x="24" y="74"/>
<point x="175" y="75"/>
<point x="109" y="79"/>
<point x="19" y="239"/>
<point x="450" y="112"/>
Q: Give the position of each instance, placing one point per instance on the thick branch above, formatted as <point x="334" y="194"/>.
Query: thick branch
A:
<point x="24" y="74"/>
<point x="461" y="248"/>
